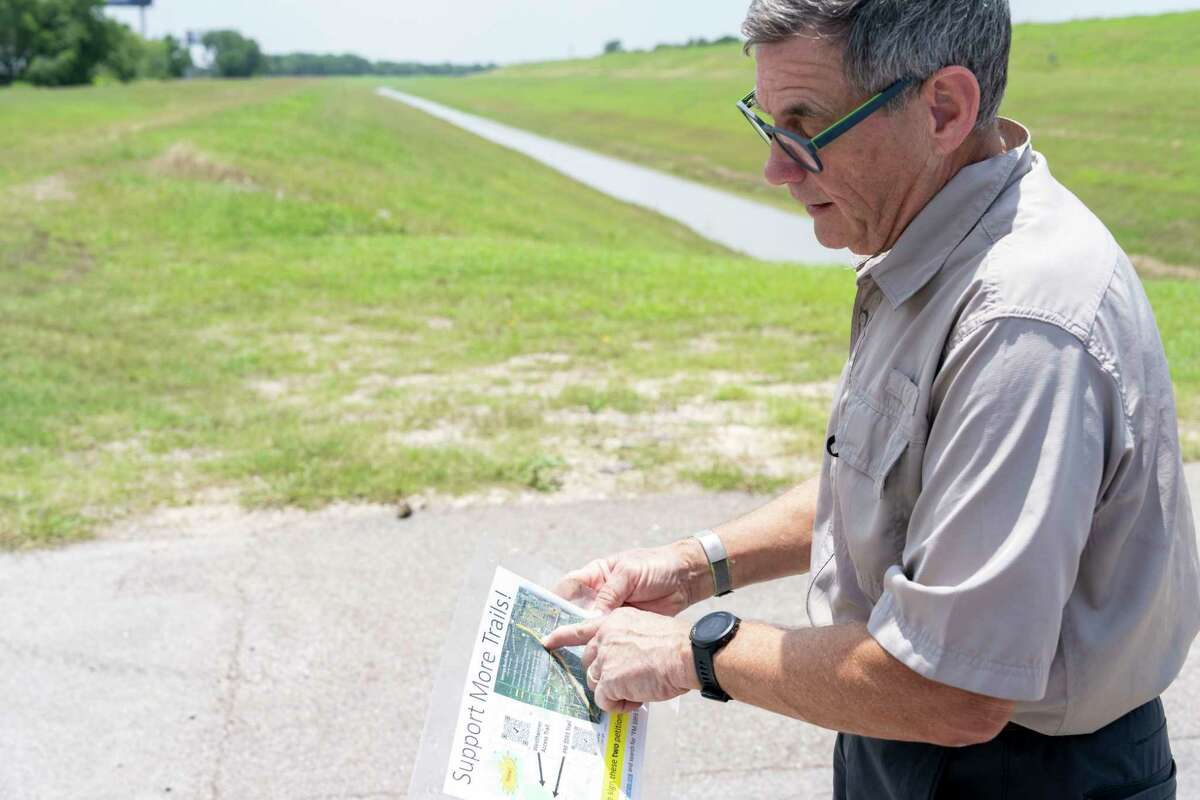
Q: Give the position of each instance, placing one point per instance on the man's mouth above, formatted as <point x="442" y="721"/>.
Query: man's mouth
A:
<point x="816" y="209"/>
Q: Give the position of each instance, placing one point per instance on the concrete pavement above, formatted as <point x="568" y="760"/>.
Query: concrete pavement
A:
<point x="215" y="654"/>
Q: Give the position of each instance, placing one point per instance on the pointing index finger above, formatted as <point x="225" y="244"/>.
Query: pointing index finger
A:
<point x="571" y="635"/>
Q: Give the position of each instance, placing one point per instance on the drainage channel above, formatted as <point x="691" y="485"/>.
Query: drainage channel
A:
<point x="742" y="225"/>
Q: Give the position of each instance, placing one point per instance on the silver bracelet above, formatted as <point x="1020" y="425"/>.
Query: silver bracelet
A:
<point x="718" y="562"/>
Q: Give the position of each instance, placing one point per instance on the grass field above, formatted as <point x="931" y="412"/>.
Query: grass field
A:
<point x="296" y="292"/>
<point x="1113" y="104"/>
<point x="286" y="292"/>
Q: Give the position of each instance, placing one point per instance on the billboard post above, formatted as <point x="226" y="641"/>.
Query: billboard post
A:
<point x="141" y="4"/>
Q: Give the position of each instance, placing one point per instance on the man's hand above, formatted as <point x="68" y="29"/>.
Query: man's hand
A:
<point x="664" y="580"/>
<point x="632" y="657"/>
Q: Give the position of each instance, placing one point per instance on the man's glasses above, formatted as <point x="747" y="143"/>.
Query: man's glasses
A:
<point x="804" y="150"/>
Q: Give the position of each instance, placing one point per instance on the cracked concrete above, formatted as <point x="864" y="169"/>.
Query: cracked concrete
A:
<point x="233" y="673"/>
<point x="227" y="655"/>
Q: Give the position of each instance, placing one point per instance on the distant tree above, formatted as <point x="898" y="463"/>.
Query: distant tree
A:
<point x="613" y="46"/>
<point x="18" y="38"/>
<point x="698" y="41"/>
<point x="52" y="42"/>
<point x="125" y="52"/>
<point x="179" y="58"/>
<point x="317" y="64"/>
<point x="233" y="55"/>
<point x="153" y="65"/>
<point x="164" y="59"/>
<point x="349" y="64"/>
<point x="65" y="42"/>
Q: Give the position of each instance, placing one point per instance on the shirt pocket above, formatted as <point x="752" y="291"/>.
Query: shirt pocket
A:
<point x="880" y="447"/>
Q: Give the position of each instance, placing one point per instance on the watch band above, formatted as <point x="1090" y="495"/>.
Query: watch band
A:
<point x="705" y="645"/>
<point x="718" y="562"/>
<point x="707" y="673"/>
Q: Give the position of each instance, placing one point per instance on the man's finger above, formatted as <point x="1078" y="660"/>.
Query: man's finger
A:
<point x="613" y="593"/>
<point x="603" y="699"/>
<point x="590" y="652"/>
<point x="571" y="635"/>
<point x="574" y="588"/>
<point x="587" y="577"/>
<point x="593" y="676"/>
<point x="608" y="701"/>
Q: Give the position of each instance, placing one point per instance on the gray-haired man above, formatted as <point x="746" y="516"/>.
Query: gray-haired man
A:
<point x="1001" y="541"/>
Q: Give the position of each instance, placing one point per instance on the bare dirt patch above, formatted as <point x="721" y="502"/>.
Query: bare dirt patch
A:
<point x="699" y="433"/>
<point x="272" y="389"/>
<point x="542" y="375"/>
<point x="603" y="433"/>
<point x="438" y="436"/>
<point x="818" y="390"/>
<point x="183" y="160"/>
<point x="704" y="344"/>
<point x="1189" y="439"/>
<point x="50" y="189"/>
<point x="1150" y="267"/>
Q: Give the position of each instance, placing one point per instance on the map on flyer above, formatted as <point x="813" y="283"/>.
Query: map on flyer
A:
<point x="557" y="683"/>
<point x="528" y="725"/>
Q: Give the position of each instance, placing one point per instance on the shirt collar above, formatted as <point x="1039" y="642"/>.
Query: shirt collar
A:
<point x="927" y="242"/>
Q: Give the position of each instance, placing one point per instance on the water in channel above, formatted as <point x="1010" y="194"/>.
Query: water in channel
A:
<point x="755" y="229"/>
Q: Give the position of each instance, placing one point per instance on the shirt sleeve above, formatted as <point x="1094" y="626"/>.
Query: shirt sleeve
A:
<point x="1014" y="462"/>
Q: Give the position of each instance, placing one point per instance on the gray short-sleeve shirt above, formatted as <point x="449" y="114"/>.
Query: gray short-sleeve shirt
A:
<point x="1003" y="501"/>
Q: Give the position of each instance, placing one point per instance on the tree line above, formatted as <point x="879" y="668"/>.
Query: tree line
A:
<point x="238" y="56"/>
<point x="68" y="42"/>
<point x="348" y="64"/>
<point x="616" y="46"/>
<point x="72" y="42"/>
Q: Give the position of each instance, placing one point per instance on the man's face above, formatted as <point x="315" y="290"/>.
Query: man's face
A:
<point x="857" y="200"/>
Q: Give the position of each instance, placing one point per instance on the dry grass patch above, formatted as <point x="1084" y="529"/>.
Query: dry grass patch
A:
<point x="183" y="160"/>
<point x="1150" y="267"/>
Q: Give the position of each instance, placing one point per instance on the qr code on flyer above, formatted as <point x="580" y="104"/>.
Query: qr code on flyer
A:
<point x="516" y="731"/>
<point x="583" y="740"/>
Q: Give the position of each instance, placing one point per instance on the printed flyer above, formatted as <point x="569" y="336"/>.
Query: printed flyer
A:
<point x="528" y="725"/>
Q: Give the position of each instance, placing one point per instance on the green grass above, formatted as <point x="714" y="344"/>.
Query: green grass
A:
<point x="733" y="394"/>
<point x="732" y="478"/>
<point x="228" y="293"/>
<point x="291" y="293"/>
<point x="1112" y="104"/>
<point x="595" y="399"/>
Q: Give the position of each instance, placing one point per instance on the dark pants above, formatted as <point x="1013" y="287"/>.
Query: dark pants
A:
<point x="1129" y="759"/>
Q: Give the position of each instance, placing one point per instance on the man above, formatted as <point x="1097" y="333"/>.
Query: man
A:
<point x="1001" y="541"/>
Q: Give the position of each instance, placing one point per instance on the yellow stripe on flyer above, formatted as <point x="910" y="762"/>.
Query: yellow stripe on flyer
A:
<point x="614" y="757"/>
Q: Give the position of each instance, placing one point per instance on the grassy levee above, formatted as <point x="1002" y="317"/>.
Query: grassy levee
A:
<point x="1113" y="104"/>
<point x="293" y="293"/>
<point x="268" y="290"/>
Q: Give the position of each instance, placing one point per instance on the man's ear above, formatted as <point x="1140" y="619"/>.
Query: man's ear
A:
<point x="951" y="98"/>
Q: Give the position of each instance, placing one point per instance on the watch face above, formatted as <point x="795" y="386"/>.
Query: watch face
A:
<point x="713" y="626"/>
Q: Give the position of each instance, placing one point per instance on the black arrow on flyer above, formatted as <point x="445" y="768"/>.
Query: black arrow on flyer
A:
<point x="560" y="766"/>
<point x="541" y="780"/>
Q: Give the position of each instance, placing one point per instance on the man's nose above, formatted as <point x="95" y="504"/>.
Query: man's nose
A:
<point x="782" y="168"/>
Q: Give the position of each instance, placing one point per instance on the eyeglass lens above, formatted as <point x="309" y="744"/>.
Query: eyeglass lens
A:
<point x="798" y="153"/>
<point x="794" y="150"/>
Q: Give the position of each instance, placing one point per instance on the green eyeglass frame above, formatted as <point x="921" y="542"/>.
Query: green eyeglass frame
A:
<point x="803" y="150"/>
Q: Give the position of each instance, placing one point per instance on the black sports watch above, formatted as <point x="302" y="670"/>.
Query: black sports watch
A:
<point x="709" y="635"/>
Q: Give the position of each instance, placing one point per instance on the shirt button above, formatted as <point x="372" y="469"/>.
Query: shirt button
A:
<point x="862" y="318"/>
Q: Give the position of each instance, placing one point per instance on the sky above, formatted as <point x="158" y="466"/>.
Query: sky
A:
<point x="508" y="31"/>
